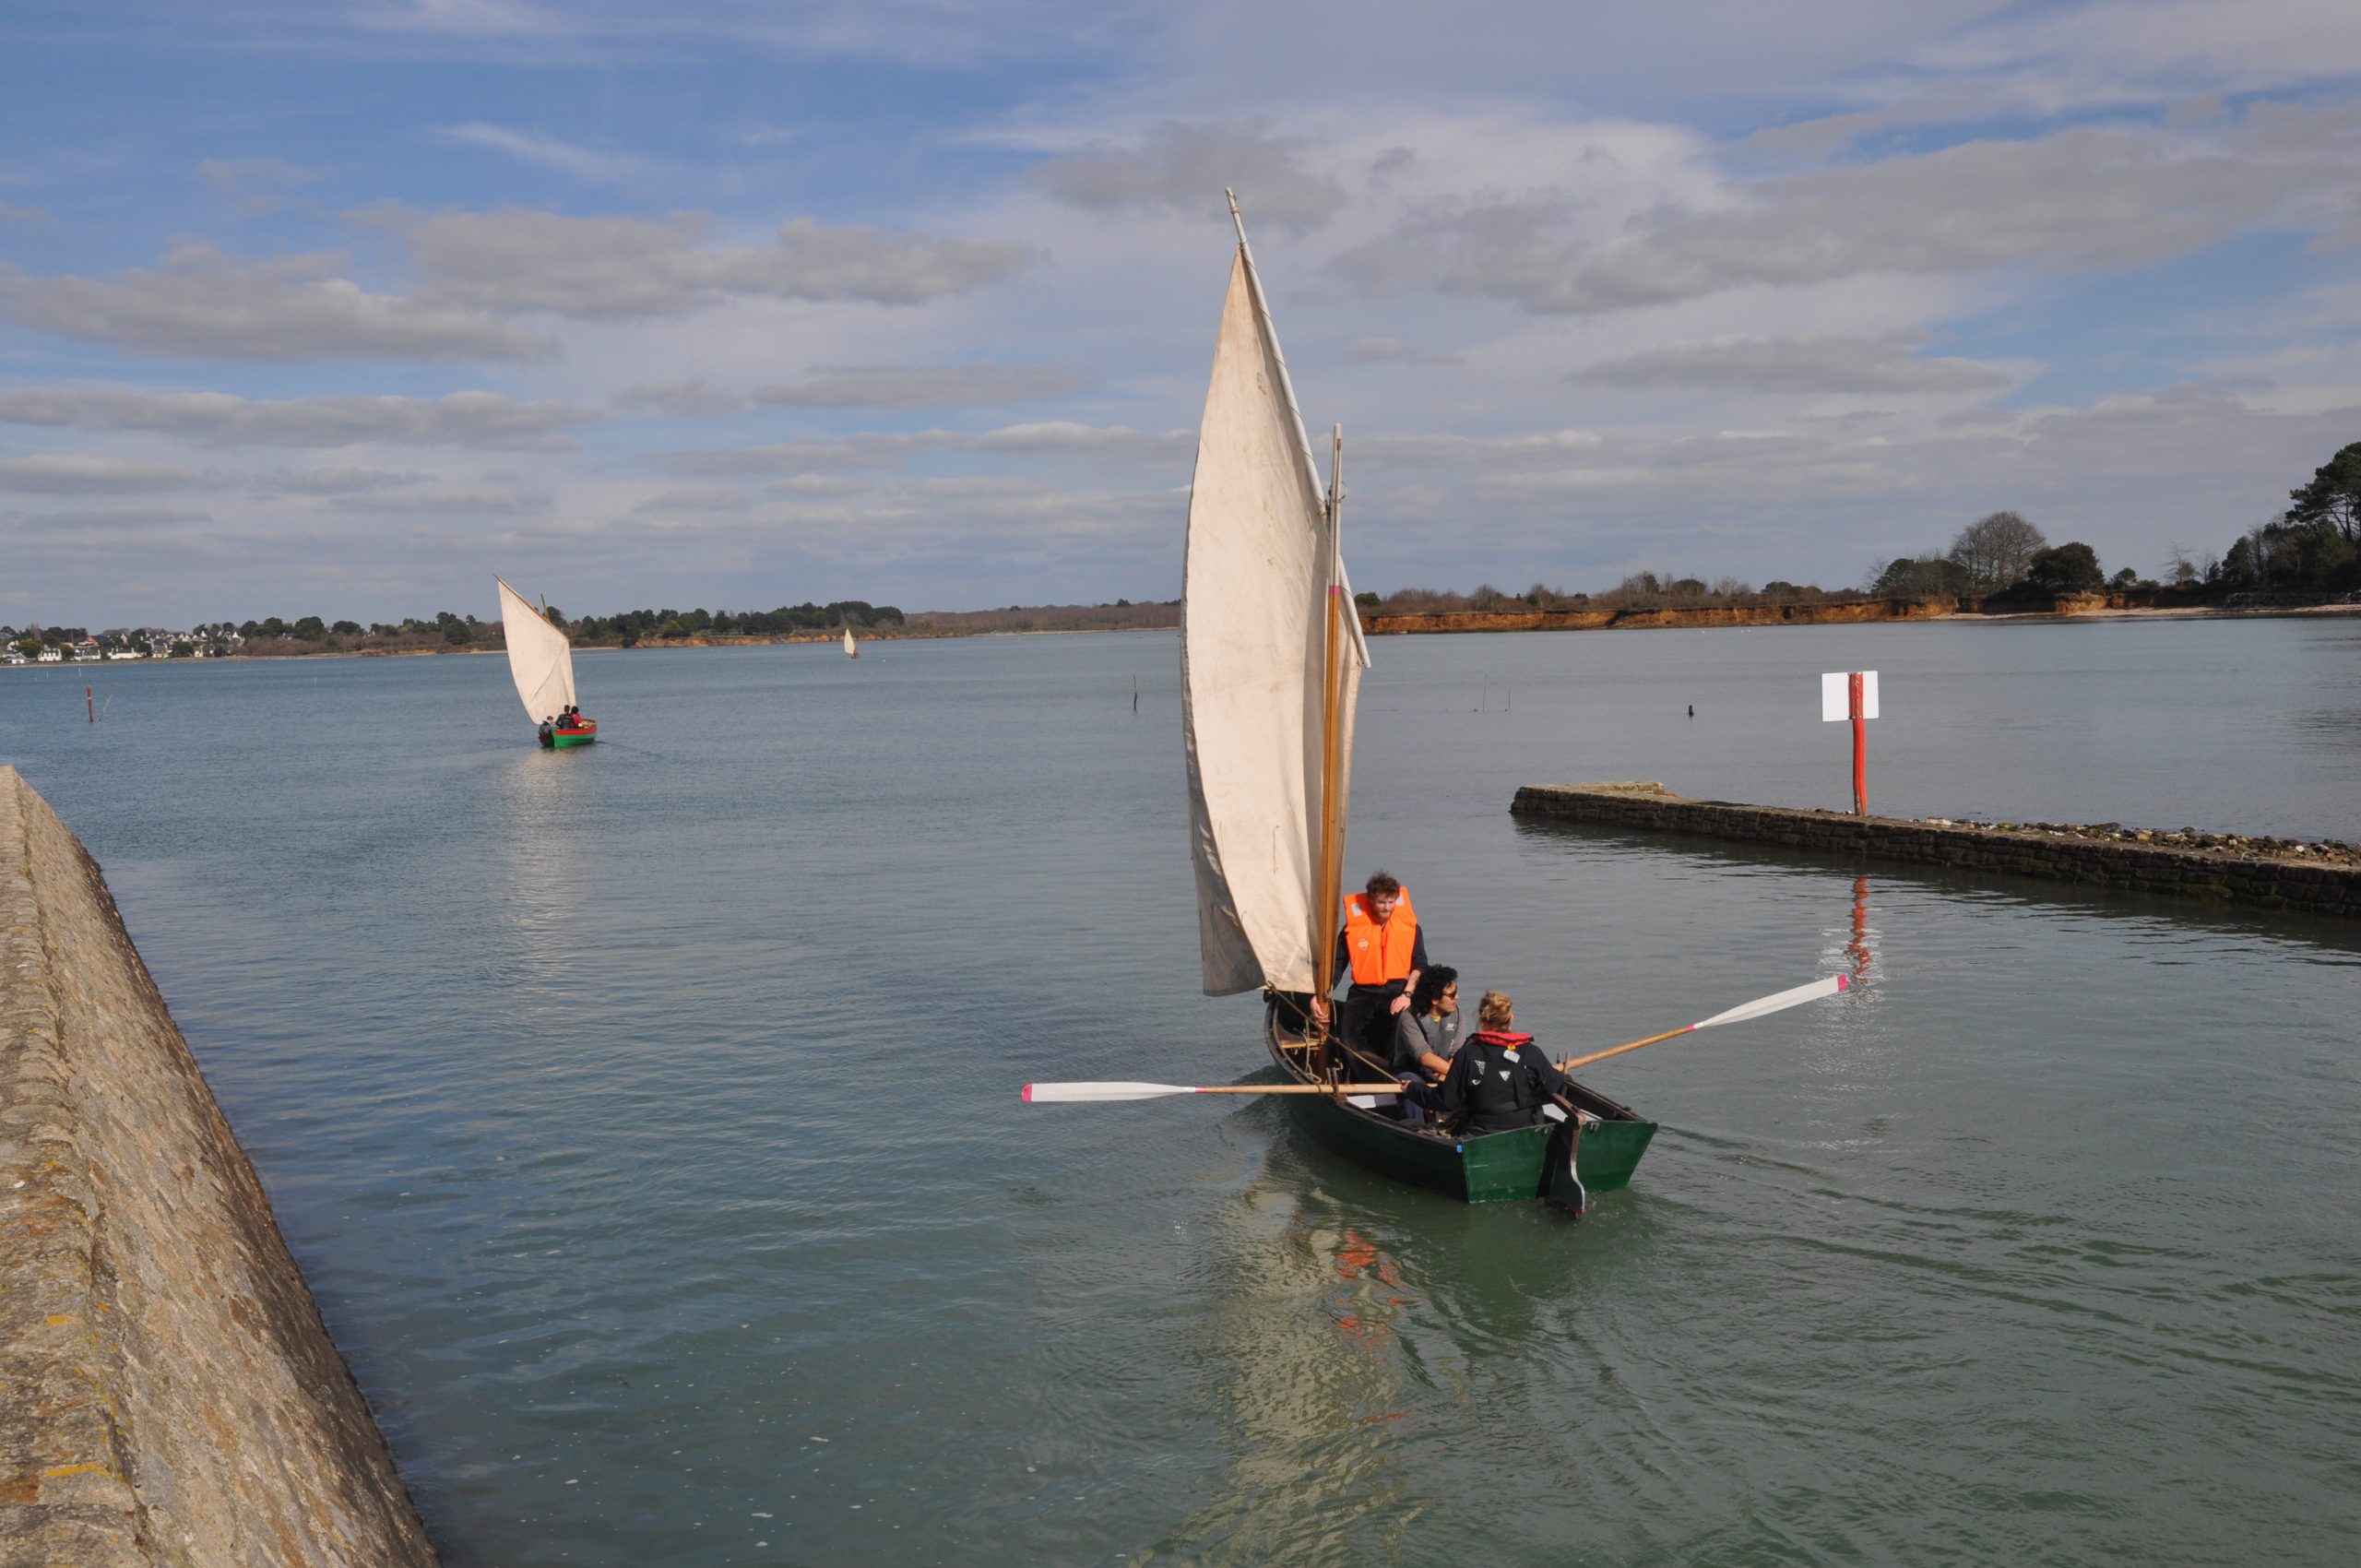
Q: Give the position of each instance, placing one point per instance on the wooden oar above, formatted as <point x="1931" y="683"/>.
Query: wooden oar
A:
<point x="1760" y="1006"/>
<point x="1051" y="1094"/>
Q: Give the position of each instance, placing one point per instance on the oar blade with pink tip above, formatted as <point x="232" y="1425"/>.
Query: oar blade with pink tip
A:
<point x="1777" y="1003"/>
<point x="1076" y="1094"/>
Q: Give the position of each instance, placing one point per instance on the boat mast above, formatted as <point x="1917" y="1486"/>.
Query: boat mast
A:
<point x="1328" y="880"/>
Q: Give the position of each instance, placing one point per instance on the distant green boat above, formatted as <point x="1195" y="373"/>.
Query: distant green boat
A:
<point x="541" y="660"/>
<point x="1271" y="658"/>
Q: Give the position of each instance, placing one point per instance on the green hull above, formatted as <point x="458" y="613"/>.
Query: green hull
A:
<point x="1488" y="1168"/>
<point x="566" y="740"/>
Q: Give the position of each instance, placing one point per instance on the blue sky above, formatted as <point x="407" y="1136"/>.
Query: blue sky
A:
<point x="340" y="309"/>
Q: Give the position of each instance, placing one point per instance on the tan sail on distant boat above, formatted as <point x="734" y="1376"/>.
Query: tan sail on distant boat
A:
<point x="851" y="651"/>
<point x="541" y="660"/>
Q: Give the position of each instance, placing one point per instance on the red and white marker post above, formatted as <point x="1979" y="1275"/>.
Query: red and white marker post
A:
<point x="1852" y="695"/>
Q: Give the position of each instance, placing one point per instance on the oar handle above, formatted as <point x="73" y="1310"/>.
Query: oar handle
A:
<point x="1303" y="1088"/>
<point x="1567" y="1066"/>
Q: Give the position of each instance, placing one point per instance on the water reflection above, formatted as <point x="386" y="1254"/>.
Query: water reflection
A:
<point x="1300" y="1336"/>
<point x="547" y="869"/>
<point x="1858" y="949"/>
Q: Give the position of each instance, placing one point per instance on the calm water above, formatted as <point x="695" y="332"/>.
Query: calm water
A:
<point x="644" y="1117"/>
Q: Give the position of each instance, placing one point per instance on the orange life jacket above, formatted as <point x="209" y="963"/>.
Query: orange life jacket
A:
<point x="1380" y="953"/>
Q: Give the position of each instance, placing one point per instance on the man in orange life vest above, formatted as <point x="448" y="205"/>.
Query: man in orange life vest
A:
<point x="1383" y="950"/>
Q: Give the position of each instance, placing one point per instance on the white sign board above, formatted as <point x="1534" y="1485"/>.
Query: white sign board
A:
<point x="1836" y="697"/>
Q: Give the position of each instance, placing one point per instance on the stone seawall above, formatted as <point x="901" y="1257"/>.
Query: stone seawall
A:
<point x="2275" y="882"/>
<point x="168" y="1393"/>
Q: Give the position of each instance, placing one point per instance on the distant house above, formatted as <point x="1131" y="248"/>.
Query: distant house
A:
<point x="88" y="649"/>
<point x="125" y="653"/>
<point x="15" y="656"/>
<point x="53" y="655"/>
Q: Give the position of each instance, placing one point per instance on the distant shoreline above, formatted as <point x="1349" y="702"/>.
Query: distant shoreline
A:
<point x="1379" y="624"/>
<point x="1861" y="613"/>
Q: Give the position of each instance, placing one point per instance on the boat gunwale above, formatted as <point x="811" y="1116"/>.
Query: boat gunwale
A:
<point x="1422" y="1136"/>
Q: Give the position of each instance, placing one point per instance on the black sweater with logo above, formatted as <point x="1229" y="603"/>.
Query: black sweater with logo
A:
<point x="1500" y="1081"/>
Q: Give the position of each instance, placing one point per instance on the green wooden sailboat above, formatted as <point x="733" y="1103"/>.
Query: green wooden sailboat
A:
<point x="1272" y="654"/>
<point x="541" y="660"/>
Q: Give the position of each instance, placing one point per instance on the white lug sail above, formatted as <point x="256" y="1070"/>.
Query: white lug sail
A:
<point x="540" y="657"/>
<point x="850" y="648"/>
<point x="1260" y="568"/>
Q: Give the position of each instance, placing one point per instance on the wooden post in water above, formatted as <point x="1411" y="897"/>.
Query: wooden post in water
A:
<point x="91" y="704"/>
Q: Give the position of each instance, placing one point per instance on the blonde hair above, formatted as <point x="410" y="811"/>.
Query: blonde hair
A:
<point x="1495" y="1011"/>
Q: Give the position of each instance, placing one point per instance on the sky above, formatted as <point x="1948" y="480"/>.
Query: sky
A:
<point x="340" y="308"/>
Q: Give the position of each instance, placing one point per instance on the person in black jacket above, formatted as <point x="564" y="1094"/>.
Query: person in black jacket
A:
<point x="1498" y="1079"/>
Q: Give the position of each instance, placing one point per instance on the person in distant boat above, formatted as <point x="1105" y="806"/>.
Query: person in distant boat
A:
<point x="1499" y="1080"/>
<point x="1383" y="950"/>
<point x="549" y="728"/>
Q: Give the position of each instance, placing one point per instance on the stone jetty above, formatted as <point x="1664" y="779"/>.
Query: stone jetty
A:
<point x="168" y="1392"/>
<point x="2261" y="872"/>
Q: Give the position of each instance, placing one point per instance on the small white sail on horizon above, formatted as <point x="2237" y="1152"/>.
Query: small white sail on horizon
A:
<point x="1266" y="604"/>
<point x="851" y="651"/>
<point x="540" y="657"/>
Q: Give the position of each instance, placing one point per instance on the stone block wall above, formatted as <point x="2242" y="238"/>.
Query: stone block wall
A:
<point x="168" y="1392"/>
<point x="2254" y="880"/>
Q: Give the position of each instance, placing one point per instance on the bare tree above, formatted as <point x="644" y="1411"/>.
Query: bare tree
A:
<point x="1994" y="551"/>
<point x="2179" y="570"/>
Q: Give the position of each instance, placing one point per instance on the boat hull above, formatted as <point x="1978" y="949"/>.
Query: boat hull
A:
<point x="567" y="740"/>
<point x="1484" y="1167"/>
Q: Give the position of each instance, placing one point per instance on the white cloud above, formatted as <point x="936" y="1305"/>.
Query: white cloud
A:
<point x="89" y="474"/>
<point x="1391" y="351"/>
<point x="687" y="399"/>
<point x="333" y="481"/>
<point x="918" y="386"/>
<point x="517" y="259"/>
<point x="202" y="303"/>
<point x="1117" y="442"/>
<point x="2093" y="198"/>
<point x="1795" y="364"/>
<point x="107" y="521"/>
<point x="706" y="499"/>
<point x="886" y="449"/>
<point x="446" y="504"/>
<point x="463" y="19"/>
<point x="2088" y="199"/>
<point x="867" y="451"/>
<point x="458" y="418"/>
<point x="547" y="152"/>
<point x="1181" y="169"/>
<point x="813" y="484"/>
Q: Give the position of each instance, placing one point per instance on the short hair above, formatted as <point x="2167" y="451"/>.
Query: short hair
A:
<point x="1380" y="884"/>
<point x="1433" y="980"/>
<point x="1496" y="1011"/>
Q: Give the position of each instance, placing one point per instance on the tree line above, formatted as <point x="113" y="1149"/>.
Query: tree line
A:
<point x="2311" y="547"/>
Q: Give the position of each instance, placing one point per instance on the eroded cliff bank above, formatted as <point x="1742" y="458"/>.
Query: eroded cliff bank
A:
<point x="1377" y="622"/>
<point x="168" y="1393"/>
